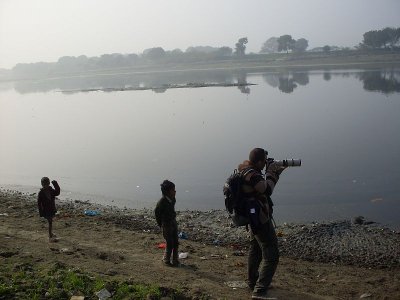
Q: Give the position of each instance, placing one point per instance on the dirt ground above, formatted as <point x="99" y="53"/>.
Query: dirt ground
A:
<point x="103" y="249"/>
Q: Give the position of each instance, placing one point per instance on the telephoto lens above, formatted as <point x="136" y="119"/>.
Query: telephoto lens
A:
<point x="288" y="162"/>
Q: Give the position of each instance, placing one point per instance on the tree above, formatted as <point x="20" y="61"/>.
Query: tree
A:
<point x="326" y="48"/>
<point x="240" y="47"/>
<point x="270" y="46"/>
<point x="381" y="38"/>
<point x="285" y="43"/>
<point x="390" y="36"/>
<point x="373" y="39"/>
<point x="300" y="45"/>
<point x="224" y="52"/>
<point x="154" y="53"/>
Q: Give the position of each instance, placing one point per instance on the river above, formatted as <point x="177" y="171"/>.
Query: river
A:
<point x="117" y="147"/>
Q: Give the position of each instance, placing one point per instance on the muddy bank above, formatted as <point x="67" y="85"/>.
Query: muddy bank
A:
<point x="121" y="246"/>
<point x="344" y="242"/>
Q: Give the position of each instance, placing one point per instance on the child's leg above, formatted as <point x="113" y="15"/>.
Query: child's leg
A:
<point x="175" y="244"/>
<point x="166" y="229"/>
<point x="50" y="220"/>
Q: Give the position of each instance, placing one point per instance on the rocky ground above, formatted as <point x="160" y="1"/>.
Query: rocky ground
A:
<point x="336" y="260"/>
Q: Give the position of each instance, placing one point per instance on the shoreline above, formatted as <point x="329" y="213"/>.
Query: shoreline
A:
<point x="361" y="243"/>
<point x="121" y="245"/>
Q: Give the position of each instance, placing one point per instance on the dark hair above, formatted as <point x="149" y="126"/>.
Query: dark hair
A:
<point x="45" y="181"/>
<point x="257" y="154"/>
<point x="166" y="186"/>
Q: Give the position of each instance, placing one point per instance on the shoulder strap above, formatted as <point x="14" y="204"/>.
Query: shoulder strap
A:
<point x="246" y="172"/>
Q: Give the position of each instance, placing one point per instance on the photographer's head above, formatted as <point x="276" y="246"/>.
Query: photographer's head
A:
<point x="168" y="189"/>
<point x="258" y="157"/>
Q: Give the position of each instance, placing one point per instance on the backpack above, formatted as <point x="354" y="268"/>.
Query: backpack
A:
<point x="235" y="203"/>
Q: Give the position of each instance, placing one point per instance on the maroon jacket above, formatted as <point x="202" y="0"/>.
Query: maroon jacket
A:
<point x="46" y="200"/>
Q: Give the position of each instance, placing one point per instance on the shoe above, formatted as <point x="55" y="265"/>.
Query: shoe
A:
<point x="166" y="262"/>
<point x="176" y="264"/>
<point x="260" y="296"/>
<point x="251" y="286"/>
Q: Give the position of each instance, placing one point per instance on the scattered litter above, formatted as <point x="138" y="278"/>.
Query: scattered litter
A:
<point x="103" y="294"/>
<point x="280" y="234"/>
<point x="182" y="235"/>
<point x="91" y="213"/>
<point x="365" y="295"/>
<point x="216" y="242"/>
<point x="236" y="284"/>
<point x="77" y="298"/>
<point x="66" y="251"/>
<point x="239" y="253"/>
<point x="215" y="256"/>
<point x="162" y="246"/>
<point x="203" y="257"/>
<point x="183" y="255"/>
<point x="4" y="214"/>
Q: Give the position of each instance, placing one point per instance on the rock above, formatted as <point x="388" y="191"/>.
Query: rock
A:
<point x="8" y="254"/>
<point x="365" y="295"/>
<point x="358" y="220"/>
<point x="111" y="272"/>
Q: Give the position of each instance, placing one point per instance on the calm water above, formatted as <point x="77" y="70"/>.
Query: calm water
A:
<point x="117" y="147"/>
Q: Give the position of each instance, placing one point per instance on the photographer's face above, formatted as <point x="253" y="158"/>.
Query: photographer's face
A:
<point x="261" y="164"/>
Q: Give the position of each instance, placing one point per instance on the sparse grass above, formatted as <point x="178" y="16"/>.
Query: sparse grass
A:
<point x="23" y="281"/>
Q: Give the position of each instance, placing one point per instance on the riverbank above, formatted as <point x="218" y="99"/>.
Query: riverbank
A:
<point x="337" y="260"/>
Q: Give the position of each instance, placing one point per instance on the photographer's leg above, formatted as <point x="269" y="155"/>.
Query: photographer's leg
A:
<point x="268" y="243"/>
<point x="254" y="260"/>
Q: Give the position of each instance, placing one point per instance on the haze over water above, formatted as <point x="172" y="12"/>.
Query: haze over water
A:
<point x="117" y="147"/>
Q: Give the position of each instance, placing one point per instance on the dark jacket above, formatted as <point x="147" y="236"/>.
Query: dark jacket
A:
<point x="258" y="206"/>
<point x="46" y="200"/>
<point x="165" y="211"/>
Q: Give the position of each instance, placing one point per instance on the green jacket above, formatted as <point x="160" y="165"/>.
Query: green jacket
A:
<point x="165" y="211"/>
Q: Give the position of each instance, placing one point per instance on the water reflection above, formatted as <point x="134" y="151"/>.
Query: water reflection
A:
<point x="384" y="80"/>
<point x="387" y="81"/>
<point x="287" y="82"/>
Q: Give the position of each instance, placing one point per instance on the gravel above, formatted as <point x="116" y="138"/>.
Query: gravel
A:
<point x="364" y="244"/>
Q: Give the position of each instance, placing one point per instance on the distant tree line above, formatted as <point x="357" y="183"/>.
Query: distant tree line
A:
<point x="385" y="38"/>
<point x="151" y="56"/>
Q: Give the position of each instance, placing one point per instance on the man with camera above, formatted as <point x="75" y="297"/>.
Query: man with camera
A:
<point x="263" y="253"/>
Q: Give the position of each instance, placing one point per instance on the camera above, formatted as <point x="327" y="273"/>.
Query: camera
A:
<point x="282" y="163"/>
<point x="285" y="162"/>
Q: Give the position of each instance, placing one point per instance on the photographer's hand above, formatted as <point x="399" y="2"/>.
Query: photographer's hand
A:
<point x="275" y="169"/>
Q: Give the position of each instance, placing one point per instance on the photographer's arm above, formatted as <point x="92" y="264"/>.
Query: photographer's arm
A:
<point x="271" y="178"/>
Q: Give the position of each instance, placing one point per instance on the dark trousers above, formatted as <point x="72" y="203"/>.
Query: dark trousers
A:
<point x="263" y="257"/>
<point x="170" y="234"/>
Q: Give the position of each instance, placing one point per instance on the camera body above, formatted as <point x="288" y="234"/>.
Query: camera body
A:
<point x="285" y="162"/>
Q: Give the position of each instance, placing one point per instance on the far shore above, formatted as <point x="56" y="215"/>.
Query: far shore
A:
<point x="273" y="62"/>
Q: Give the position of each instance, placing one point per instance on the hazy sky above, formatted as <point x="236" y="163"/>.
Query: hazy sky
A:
<point x="44" y="30"/>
